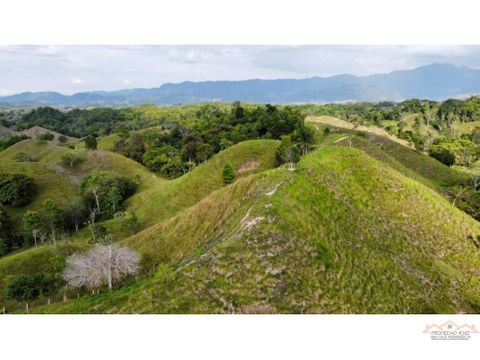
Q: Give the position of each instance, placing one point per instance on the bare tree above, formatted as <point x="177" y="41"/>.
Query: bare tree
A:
<point x="101" y="265"/>
<point x="475" y="180"/>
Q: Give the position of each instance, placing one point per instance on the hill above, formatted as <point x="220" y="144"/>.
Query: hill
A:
<point x="343" y="233"/>
<point x="435" y="81"/>
<point x="58" y="182"/>
<point x="35" y="131"/>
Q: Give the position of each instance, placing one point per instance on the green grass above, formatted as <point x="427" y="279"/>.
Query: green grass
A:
<point x="165" y="198"/>
<point x="55" y="181"/>
<point x="343" y="233"/>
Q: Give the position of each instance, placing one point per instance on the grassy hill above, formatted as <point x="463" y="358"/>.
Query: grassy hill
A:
<point x="343" y="233"/>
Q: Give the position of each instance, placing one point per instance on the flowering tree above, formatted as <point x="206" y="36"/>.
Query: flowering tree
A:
<point x="101" y="265"/>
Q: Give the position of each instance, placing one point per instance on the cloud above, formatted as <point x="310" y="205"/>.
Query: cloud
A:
<point x="78" y="81"/>
<point x="30" y="68"/>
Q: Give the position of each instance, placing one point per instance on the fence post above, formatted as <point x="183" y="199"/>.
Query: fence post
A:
<point x="4" y="310"/>
<point x="26" y="307"/>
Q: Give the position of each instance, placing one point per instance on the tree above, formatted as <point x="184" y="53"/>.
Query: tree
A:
<point x="287" y="153"/>
<point x="105" y="191"/>
<point x="5" y="231"/>
<point x="71" y="160"/>
<point x="30" y="287"/>
<point x="16" y="189"/>
<point x="91" y="142"/>
<point x="32" y="225"/>
<point x="75" y="213"/>
<point x="228" y="173"/>
<point x="130" y="223"/>
<point x="53" y="218"/>
<point x="101" y="265"/>
<point x="442" y="154"/>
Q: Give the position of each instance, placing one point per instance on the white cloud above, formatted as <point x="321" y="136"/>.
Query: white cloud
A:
<point x="30" y="68"/>
<point x="78" y="81"/>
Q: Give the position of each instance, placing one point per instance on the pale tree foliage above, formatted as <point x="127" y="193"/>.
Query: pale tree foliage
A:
<point x="101" y="265"/>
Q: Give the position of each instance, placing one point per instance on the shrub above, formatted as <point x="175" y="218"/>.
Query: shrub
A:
<point x="442" y="154"/>
<point x="30" y="287"/>
<point x="62" y="139"/>
<point x="16" y="189"/>
<point x="23" y="157"/>
<point x="47" y="136"/>
<point x="91" y="142"/>
<point x="228" y="173"/>
<point x="71" y="160"/>
<point x="130" y="223"/>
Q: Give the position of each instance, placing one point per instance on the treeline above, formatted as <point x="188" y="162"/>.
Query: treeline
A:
<point x="176" y="150"/>
<point x="437" y="114"/>
<point x="104" y="121"/>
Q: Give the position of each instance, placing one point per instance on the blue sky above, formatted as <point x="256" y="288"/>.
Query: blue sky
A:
<point x="70" y="69"/>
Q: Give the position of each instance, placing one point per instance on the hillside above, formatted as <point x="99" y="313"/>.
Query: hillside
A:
<point x="58" y="182"/>
<point x="343" y="233"/>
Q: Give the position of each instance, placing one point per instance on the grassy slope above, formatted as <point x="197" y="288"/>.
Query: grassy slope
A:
<point x="165" y="198"/>
<point x="344" y="233"/>
<point x="154" y="191"/>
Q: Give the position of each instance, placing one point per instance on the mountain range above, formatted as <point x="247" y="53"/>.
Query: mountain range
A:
<point x="434" y="81"/>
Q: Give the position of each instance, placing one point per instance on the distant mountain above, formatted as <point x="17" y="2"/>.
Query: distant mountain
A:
<point x="435" y="81"/>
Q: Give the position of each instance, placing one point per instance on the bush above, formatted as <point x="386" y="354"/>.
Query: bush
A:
<point x="47" y="136"/>
<point x="71" y="160"/>
<point x="287" y="152"/>
<point x="91" y="142"/>
<point x="62" y="139"/>
<point x="30" y="287"/>
<point x="130" y="223"/>
<point x="23" y="157"/>
<point x="228" y="173"/>
<point x="442" y="154"/>
<point x="16" y="189"/>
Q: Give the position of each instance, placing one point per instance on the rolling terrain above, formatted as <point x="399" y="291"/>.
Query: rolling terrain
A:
<point x="362" y="224"/>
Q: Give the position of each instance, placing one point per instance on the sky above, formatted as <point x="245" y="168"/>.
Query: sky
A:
<point x="71" y="69"/>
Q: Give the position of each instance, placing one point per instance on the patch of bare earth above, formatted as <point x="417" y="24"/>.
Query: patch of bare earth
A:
<point x="248" y="166"/>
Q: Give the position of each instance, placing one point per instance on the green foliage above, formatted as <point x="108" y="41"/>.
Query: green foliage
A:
<point x="53" y="217"/>
<point x="456" y="151"/>
<point x="91" y="142"/>
<point x="32" y="225"/>
<point x="130" y="223"/>
<point x="228" y="173"/>
<point x="16" y="189"/>
<point x="287" y="152"/>
<point x="11" y="140"/>
<point x="62" y="139"/>
<point x="30" y="287"/>
<point x="442" y="154"/>
<point x="71" y="160"/>
<point x="104" y="191"/>
<point x="23" y="157"/>
<point x="47" y="136"/>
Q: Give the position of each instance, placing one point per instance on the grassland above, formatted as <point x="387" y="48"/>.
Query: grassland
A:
<point x="343" y="233"/>
<point x="362" y="225"/>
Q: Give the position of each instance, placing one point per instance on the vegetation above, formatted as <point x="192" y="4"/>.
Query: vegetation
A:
<point x="360" y="208"/>
<point x="16" y="189"/>
<point x="228" y="173"/>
